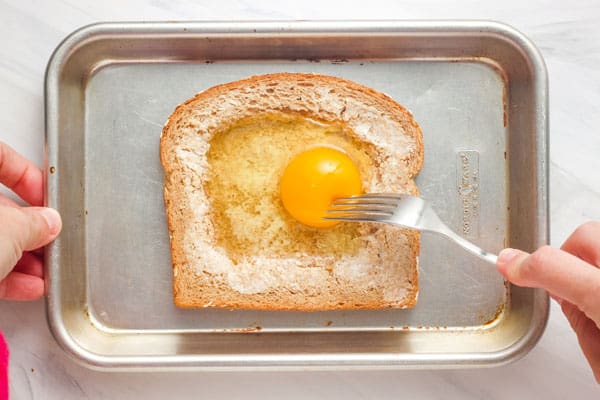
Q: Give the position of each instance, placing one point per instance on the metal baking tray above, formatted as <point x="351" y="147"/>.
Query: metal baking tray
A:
<point x="478" y="90"/>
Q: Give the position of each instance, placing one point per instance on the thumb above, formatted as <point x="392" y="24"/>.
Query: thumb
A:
<point x="25" y="229"/>
<point x="560" y="273"/>
<point x="40" y="226"/>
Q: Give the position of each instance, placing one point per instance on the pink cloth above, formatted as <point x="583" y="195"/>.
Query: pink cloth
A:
<point x="3" y="368"/>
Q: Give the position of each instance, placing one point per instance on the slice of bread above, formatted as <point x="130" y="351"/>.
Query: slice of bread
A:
<point x="232" y="243"/>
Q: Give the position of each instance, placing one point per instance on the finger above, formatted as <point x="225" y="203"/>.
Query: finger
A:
<point x="560" y="273"/>
<point x="587" y="334"/>
<point x="30" y="264"/>
<point x="21" y="175"/>
<point x="18" y="286"/>
<point x="584" y="243"/>
<point x="30" y="227"/>
<point x="25" y="229"/>
<point x="556" y="298"/>
<point x="5" y="201"/>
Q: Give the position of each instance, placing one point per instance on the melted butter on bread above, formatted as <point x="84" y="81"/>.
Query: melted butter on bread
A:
<point x="246" y="163"/>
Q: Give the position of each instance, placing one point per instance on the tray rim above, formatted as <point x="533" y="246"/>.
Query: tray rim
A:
<point x="282" y="28"/>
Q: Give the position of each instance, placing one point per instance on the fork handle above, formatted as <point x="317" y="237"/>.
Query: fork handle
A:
<point x="470" y="247"/>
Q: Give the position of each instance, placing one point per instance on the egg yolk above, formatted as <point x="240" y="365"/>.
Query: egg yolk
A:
<point x="313" y="179"/>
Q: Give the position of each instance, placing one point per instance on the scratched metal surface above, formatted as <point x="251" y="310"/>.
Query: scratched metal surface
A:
<point x="109" y="181"/>
<point x="458" y="105"/>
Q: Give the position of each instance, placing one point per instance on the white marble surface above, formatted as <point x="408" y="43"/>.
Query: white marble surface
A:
<point x="569" y="38"/>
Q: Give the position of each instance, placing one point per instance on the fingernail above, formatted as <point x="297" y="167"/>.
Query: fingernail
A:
<point x="52" y="218"/>
<point x="506" y="256"/>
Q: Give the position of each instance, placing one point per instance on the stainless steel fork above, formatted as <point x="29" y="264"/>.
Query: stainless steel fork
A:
<point x="402" y="210"/>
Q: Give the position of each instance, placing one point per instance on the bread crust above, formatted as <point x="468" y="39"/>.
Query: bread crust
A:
<point x="392" y="252"/>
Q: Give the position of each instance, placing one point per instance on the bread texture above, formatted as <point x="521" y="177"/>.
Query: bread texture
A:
<point x="232" y="243"/>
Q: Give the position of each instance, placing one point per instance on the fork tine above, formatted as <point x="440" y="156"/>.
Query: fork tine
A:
<point x="374" y="197"/>
<point x="368" y="199"/>
<point x="362" y="207"/>
<point x="353" y="202"/>
<point x="357" y="218"/>
<point x="360" y="211"/>
<point x="361" y="202"/>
